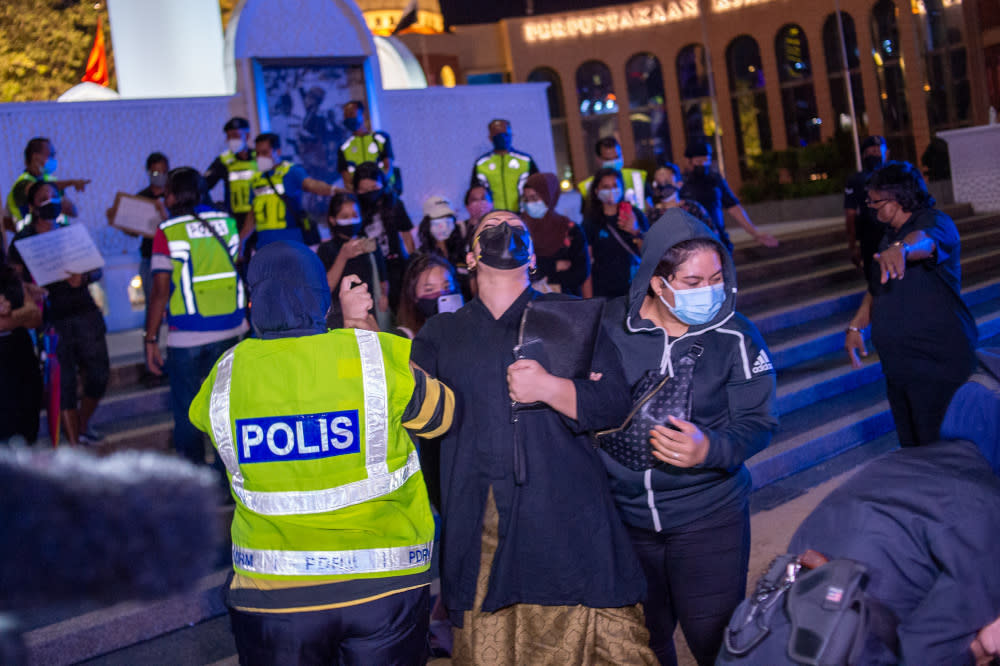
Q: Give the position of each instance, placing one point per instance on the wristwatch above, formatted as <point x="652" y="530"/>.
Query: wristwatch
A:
<point x="902" y="246"/>
<point x="150" y="340"/>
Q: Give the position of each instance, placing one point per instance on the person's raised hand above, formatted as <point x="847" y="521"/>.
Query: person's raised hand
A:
<point x="80" y="184"/>
<point x="528" y="381"/>
<point x="354" y="248"/>
<point x="355" y="301"/>
<point x="687" y="446"/>
<point x="892" y="263"/>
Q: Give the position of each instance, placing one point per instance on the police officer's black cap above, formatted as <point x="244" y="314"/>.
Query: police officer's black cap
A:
<point x="875" y="141"/>
<point x="236" y="123"/>
<point x="698" y="148"/>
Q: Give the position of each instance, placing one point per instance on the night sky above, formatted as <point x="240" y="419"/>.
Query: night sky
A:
<point x="461" y="12"/>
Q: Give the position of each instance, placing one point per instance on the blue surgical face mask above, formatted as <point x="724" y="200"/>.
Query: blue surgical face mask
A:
<point x="535" y="209"/>
<point x="696" y="306"/>
<point x="50" y="165"/>
<point x="611" y="196"/>
<point x="616" y="164"/>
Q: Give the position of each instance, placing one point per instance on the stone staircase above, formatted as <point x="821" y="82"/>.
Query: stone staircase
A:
<point x="802" y="296"/>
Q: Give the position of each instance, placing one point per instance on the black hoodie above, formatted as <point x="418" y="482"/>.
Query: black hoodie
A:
<point x="734" y="392"/>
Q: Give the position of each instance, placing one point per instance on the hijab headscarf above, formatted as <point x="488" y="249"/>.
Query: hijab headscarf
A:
<point x="289" y="295"/>
<point x="549" y="233"/>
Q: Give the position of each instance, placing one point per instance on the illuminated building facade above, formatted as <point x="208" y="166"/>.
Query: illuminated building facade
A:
<point x="780" y="71"/>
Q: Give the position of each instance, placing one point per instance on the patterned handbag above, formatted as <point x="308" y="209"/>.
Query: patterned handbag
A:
<point x="654" y="398"/>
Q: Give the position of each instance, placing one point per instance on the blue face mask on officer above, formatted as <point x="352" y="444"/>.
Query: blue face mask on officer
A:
<point x="695" y="306"/>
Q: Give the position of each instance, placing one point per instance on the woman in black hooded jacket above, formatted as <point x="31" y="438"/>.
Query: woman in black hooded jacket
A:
<point x="689" y="517"/>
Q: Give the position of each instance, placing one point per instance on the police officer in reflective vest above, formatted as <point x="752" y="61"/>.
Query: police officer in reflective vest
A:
<point x="235" y="168"/>
<point x="195" y="280"/>
<point x="365" y="145"/>
<point x="276" y="196"/>
<point x="39" y="165"/>
<point x="503" y="169"/>
<point x="332" y="533"/>
<point x="610" y="152"/>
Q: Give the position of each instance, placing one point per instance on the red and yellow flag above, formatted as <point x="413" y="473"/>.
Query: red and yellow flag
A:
<point x="97" y="61"/>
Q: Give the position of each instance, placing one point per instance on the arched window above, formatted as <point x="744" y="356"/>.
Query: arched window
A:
<point x="888" y="56"/>
<point x="648" y="109"/>
<point x="557" y="114"/>
<point x="746" y="87"/>
<point x="834" y="55"/>
<point x="798" y="98"/>
<point x="696" y="100"/>
<point x="598" y="104"/>
<point x="948" y="93"/>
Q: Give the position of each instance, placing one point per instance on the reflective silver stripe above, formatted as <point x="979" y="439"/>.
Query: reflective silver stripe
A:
<point x="218" y="414"/>
<point x="380" y="481"/>
<point x="278" y="188"/>
<point x="241" y="175"/>
<point x="214" y="276"/>
<point x="332" y="562"/>
<point x="301" y="502"/>
<point x="376" y="398"/>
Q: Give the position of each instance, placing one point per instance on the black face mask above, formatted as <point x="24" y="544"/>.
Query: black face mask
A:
<point x="501" y="141"/>
<point x="50" y="209"/>
<point x="665" y="191"/>
<point x="370" y="198"/>
<point x="504" y="247"/>
<point x="871" y="163"/>
<point x="352" y="124"/>
<point x="699" y="172"/>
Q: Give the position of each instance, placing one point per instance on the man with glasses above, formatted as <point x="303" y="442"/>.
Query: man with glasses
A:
<point x="923" y="332"/>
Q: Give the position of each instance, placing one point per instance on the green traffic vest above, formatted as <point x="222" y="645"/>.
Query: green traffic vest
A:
<point x="269" y="210"/>
<point x="363" y="148"/>
<point x="205" y="284"/>
<point x="239" y="174"/>
<point x="327" y="482"/>
<point x="18" y="213"/>
<point x="504" y="174"/>
<point x="635" y="187"/>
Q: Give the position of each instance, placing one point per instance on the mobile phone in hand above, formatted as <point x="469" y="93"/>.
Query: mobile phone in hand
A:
<point x="624" y="210"/>
<point x="368" y="246"/>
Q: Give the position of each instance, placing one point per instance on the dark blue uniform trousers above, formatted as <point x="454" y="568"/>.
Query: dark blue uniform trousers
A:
<point x="391" y="630"/>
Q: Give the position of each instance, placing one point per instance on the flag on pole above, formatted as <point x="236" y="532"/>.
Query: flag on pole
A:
<point x="408" y="18"/>
<point x="97" y="61"/>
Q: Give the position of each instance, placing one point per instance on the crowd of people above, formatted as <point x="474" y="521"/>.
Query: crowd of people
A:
<point x="293" y="344"/>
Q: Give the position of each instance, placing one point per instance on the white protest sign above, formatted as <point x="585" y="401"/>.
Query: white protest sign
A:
<point x="57" y="254"/>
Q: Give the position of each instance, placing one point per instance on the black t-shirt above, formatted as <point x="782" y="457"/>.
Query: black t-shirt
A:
<point x="146" y="247"/>
<point x="616" y="254"/>
<point x="64" y="301"/>
<point x="867" y="229"/>
<point x="20" y="378"/>
<point x="363" y="265"/>
<point x="921" y="327"/>
<point x="384" y="221"/>
<point x="713" y="193"/>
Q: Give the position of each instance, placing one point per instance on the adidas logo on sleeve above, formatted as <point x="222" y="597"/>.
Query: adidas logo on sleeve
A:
<point x="762" y="363"/>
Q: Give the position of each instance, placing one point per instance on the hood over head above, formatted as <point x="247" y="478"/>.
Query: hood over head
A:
<point x="974" y="413"/>
<point x="547" y="186"/>
<point x="289" y="294"/>
<point x="676" y="226"/>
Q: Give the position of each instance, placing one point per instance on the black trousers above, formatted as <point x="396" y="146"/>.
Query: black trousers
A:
<point x="391" y="630"/>
<point x="696" y="574"/>
<point x="918" y="408"/>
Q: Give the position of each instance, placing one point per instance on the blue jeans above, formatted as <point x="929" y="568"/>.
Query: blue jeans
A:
<point x="188" y="367"/>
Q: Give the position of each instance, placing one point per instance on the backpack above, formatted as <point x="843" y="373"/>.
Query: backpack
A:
<point x="820" y="617"/>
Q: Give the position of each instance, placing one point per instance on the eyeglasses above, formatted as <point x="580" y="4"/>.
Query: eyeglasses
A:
<point x="871" y="202"/>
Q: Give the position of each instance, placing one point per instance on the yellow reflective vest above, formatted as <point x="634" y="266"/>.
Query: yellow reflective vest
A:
<point x="327" y="483"/>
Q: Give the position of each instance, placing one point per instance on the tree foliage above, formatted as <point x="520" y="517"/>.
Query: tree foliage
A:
<point x="44" y="46"/>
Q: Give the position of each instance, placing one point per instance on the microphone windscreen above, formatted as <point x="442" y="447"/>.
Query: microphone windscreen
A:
<point x="132" y="525"/>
